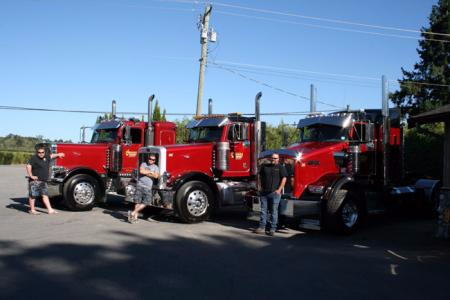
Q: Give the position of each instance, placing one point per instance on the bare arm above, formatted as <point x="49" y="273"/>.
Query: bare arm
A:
<point x="30" y="173"/>
<point x="148" y="173"/>
<point x="57" y="155"/>
<point x="282" y="183"/>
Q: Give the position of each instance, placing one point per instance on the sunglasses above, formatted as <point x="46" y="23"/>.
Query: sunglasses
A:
<point x="152" y="159"/>
<point x="41" y="152"/>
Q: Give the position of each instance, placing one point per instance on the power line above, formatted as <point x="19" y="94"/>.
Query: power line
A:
<point x="270" y="86"/>
<point x="303" y="77"/>
<point x="321" y="19"/>
<point x="336" y="21"/>
<point x="331" y="28"/>
<point x="82" y="111"/>
<point x="6" y="107"/>
<point x="290" y="70"/>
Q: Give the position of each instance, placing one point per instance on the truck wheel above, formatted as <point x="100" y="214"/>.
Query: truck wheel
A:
<point x="194" y="201"/>
<point x="81" y="192"/>
<point x="344" y="212"/>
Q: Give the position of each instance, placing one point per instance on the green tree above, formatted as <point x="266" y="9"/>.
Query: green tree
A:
<point x="157" y="112"/>
<point x="182" y="131"/>
<point x="280" y="136"/>
<point x="424" y="151"/>
<point x="101" y="118"/>
<point x="426" y="87"/>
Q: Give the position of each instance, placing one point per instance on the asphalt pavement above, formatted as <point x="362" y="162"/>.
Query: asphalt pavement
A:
<point x="98" y="255"/>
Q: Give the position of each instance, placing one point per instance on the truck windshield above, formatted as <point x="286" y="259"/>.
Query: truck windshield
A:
<point x="323" y="133"/>
<point x="205" y="134"/>
<point x="108" y="135"/>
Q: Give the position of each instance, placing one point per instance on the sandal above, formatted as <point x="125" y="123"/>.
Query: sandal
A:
<point x="34" y="213"/>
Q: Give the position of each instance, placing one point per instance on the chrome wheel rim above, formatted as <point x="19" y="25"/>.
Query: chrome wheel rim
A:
<point x="197" y="203"/>
<point x="84" y="193"/>
<point x="349" y="214"/>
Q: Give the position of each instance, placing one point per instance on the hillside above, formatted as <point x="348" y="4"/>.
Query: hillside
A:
<point x="16" y="149"/>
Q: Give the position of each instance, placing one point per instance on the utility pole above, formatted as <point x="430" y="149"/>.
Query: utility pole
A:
<point x="204" y="30"/>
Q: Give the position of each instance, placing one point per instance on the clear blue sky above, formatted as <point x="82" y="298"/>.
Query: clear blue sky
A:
<point x="79" y="55"/>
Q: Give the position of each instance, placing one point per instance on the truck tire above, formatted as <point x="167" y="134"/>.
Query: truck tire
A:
<point x="81" y="192"/>
<point x="194" y="201"/>
<point x="344" y="212"/>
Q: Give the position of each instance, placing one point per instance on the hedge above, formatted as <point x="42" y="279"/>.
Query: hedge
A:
<point x="14" y="157"/>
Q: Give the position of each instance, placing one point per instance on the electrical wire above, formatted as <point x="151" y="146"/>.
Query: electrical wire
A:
<point x="271" y="86"/>
<point x="336" y="21"/>
<point x="6" y="107"/>
<point x="321" y="19"/>
<point x="303" y="77"/>
<point x="331" y="28"/>
<point x="294" y="71"/>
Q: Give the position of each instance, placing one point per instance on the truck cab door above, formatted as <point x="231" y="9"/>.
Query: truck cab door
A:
<point x="240" y="147"/>
<point x="132" y="140"/>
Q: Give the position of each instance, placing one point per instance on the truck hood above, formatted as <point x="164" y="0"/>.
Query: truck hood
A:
<point x="189" y="158"/>
<point x="312" y="149"/>
<point x="92" y="156"/>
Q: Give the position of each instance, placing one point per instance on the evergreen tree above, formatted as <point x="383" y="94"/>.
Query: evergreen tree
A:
<point x="416" y="95"/>
<point x="157" y="112"/>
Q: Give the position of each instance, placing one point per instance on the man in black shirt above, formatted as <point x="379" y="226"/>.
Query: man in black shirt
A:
<point x="282" y="219"/>
<point x="38" y="168"/>
<point x="273" y="178"/>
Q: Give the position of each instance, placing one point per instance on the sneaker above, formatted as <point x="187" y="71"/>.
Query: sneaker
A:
<point x="271" y="233"/>
<point x="134" y="220"/>
<point x="152" y="219"/>
<point x="259" y="230"/>
<point x="130" y="217"/>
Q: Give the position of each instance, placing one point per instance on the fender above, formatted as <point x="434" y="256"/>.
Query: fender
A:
<point x="194" y="176"/>
<point x="85" y="170"/>
<point x="336" y="186"/>
<point x="429" y="188"/>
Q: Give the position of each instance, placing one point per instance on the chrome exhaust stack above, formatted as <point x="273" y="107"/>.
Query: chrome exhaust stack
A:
<point x="257" y="133"/>
<point x="113" y="110"/>
<point x="149" y="137"/>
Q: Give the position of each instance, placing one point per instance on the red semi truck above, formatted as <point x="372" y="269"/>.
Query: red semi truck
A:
<point x="216" y="168"/>
<point x="91" y="170"/>
<point x="347" y="165"/>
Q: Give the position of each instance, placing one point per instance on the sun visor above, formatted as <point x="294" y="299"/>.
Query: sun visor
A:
<point x="108" y="125"/>
<point x="338" y="121"/>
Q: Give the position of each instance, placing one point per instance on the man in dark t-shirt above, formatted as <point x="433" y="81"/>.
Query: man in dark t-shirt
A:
<point x="282" y="219"/>
<point x="273" y="178"/>
<point x="38" y="169"/>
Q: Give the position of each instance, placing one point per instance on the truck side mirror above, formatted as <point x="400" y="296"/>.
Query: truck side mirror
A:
<point x="127" y="135"/>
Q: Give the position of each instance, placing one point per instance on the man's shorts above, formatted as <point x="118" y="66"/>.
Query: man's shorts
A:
<point x="143" y="195"/>
<point x="37" y="188"/>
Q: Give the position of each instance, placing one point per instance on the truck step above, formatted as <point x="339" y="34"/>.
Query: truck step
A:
<point x="312" y="224"/>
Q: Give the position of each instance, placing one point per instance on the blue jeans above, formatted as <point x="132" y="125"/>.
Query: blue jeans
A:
<point x="272" y="199"/>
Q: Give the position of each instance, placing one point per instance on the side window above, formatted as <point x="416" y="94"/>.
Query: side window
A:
<point x="238" y="132"/>
<point x="136" y="135"/>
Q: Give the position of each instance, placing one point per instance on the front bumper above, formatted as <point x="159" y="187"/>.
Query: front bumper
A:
<point x="293" y="208"/>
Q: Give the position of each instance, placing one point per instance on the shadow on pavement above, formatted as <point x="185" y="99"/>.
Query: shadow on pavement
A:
<point x="138" y="267"/>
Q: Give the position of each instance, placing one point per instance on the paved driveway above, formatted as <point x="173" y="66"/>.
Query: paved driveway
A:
<point x="96" y="254"/>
